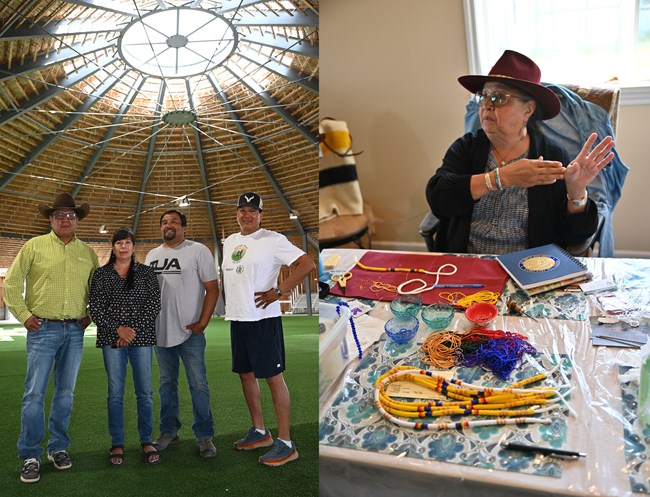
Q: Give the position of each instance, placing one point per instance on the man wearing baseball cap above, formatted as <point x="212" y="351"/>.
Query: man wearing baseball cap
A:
<point x="251" y="265"/>
<point x="55" y="271"/>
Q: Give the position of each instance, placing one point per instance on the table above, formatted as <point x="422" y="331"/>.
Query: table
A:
<point x="603" y="426"/>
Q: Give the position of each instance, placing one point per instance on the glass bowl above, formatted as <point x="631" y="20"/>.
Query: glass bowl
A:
<point x="481" y="313"/>
<point x="402" y="330"/>
<point x="438" y="315"/>
<point x="406" y="306"/>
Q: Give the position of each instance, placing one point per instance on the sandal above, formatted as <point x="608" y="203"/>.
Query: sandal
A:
<point x="116" y="459"/>
<point x="150" y="456"/>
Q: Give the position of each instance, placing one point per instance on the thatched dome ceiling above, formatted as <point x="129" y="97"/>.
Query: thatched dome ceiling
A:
<point x="78" y="113"/>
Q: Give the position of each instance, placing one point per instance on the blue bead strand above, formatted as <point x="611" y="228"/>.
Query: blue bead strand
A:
<point x="352" y="325"/>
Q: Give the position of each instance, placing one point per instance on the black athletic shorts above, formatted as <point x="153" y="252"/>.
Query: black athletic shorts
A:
<point x="257" y="346"/>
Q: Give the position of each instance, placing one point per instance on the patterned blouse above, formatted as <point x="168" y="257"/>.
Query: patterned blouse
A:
<point x="112" y="305"/>
<point x="500" y="218"/>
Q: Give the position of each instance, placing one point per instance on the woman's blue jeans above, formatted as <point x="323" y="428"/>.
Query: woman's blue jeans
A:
<point x="192" y="353"/>
<point x="115" y="361"/>
<point x="58" y="345"/>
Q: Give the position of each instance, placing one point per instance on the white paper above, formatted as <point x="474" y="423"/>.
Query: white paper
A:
<point x="598" y="286"/>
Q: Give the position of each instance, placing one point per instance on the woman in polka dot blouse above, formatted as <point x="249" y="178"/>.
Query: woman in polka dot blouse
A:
<point x="124" y="302"/>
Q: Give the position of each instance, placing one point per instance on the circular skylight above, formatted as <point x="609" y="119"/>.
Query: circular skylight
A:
<point x="177" y="42"/>
<point x="179" y="117"/>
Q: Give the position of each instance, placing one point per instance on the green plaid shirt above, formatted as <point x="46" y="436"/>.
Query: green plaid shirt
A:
<point x="54" y="276"/>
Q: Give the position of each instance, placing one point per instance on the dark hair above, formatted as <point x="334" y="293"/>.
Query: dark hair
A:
<point x="123" y="234"/>
<point x="537" y="115"/>
<point x="174" y="211"/>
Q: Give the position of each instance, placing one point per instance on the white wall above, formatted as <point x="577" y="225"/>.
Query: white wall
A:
<point x="631" y="217"/>
<point x="390" y="70"/>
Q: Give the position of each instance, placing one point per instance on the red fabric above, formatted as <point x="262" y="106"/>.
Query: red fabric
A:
<point x="470" y="270"/>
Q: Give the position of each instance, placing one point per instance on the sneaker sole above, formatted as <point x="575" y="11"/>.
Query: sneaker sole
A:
<point x="279" y="462"/>
<point x="33" y="480"/>
<point x="265" y="442"/>
<point x="50" y="458"/>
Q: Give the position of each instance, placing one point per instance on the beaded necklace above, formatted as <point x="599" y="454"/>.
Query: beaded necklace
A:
<point x="378" y="286"/>
<point x="504" y="158"/>
<point x="423" y="288"/>
<point x="459" y="299"/>
<point x="469" y="400"/>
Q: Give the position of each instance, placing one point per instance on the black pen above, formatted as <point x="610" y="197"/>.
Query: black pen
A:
<point x="547" y="451"/>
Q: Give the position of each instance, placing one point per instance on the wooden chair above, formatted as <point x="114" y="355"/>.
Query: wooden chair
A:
<point x="343" y="230"/>
<point x="609" y="98"/>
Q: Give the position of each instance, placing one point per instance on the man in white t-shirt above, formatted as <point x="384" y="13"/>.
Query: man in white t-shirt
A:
<point x="252" y="260"/>
<point x="188" y="287"/>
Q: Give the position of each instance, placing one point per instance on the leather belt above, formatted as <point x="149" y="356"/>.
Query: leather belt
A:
<point x="60" y="320"/>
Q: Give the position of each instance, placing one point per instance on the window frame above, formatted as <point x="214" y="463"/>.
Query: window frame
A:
<point x="630" y="95"/>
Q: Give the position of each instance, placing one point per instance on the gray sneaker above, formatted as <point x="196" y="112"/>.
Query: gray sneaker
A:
<point x="206" y="448"/>
<point x="279" y="454"/>
<point x="254" y="439"/>
<point x="61" y="459"/>
<point x="31" y="471"/>
<point x="165" y="440"/>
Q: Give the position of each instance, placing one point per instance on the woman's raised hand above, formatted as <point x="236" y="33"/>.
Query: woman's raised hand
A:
<point x="588" y="163"/>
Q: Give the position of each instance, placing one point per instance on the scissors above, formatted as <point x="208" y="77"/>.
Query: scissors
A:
<point x="342" y="279"/>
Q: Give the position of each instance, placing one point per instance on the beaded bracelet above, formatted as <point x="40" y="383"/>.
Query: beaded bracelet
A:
<point x="488" y="183"/>
<point x="497" y="177"/>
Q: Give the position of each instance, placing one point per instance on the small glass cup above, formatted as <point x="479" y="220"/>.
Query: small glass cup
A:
<point x="401" y="330"/>
<point x="406" y="306"/>
<point x="438" y="316"/>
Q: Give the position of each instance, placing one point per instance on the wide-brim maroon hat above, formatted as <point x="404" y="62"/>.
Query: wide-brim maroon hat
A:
<point x="517" y="70"/>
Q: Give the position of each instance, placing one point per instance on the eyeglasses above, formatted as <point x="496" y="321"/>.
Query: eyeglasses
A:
<point x="498" y="99"/>
<point x="64" y="215"/>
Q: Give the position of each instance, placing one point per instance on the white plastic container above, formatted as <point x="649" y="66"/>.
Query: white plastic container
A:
<point x="333" y="353"/>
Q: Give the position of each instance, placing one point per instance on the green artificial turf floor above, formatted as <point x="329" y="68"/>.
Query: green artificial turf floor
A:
<point x="182" y="472"/>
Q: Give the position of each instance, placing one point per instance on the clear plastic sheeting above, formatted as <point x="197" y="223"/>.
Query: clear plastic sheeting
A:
<point x="600" y="419"/>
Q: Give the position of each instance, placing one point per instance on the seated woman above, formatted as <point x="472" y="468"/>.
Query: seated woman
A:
<point x="506" y="187"/>
<point x="124" y="302"/>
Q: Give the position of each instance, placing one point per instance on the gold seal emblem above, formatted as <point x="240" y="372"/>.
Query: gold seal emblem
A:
<point x="538" y="263"/>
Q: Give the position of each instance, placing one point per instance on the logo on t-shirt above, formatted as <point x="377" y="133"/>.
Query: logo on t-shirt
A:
<point x="238" y="253"/>
<point x="168" y="266"/>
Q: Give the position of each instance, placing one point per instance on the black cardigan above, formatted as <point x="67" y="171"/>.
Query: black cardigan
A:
<point x="449" y="196"/>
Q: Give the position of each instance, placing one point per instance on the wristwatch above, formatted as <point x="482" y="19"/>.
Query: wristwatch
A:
<point x="277" y="290"/>
<point x="578" y="202"/>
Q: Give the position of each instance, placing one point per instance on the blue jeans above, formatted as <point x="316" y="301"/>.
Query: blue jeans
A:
<point x="115" y="361"/>
<point x="192" y="353"/>
<point x="58" y="345"/>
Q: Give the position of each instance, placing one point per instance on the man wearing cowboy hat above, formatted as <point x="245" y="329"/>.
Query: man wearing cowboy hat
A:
<point x="55" y="271"/>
